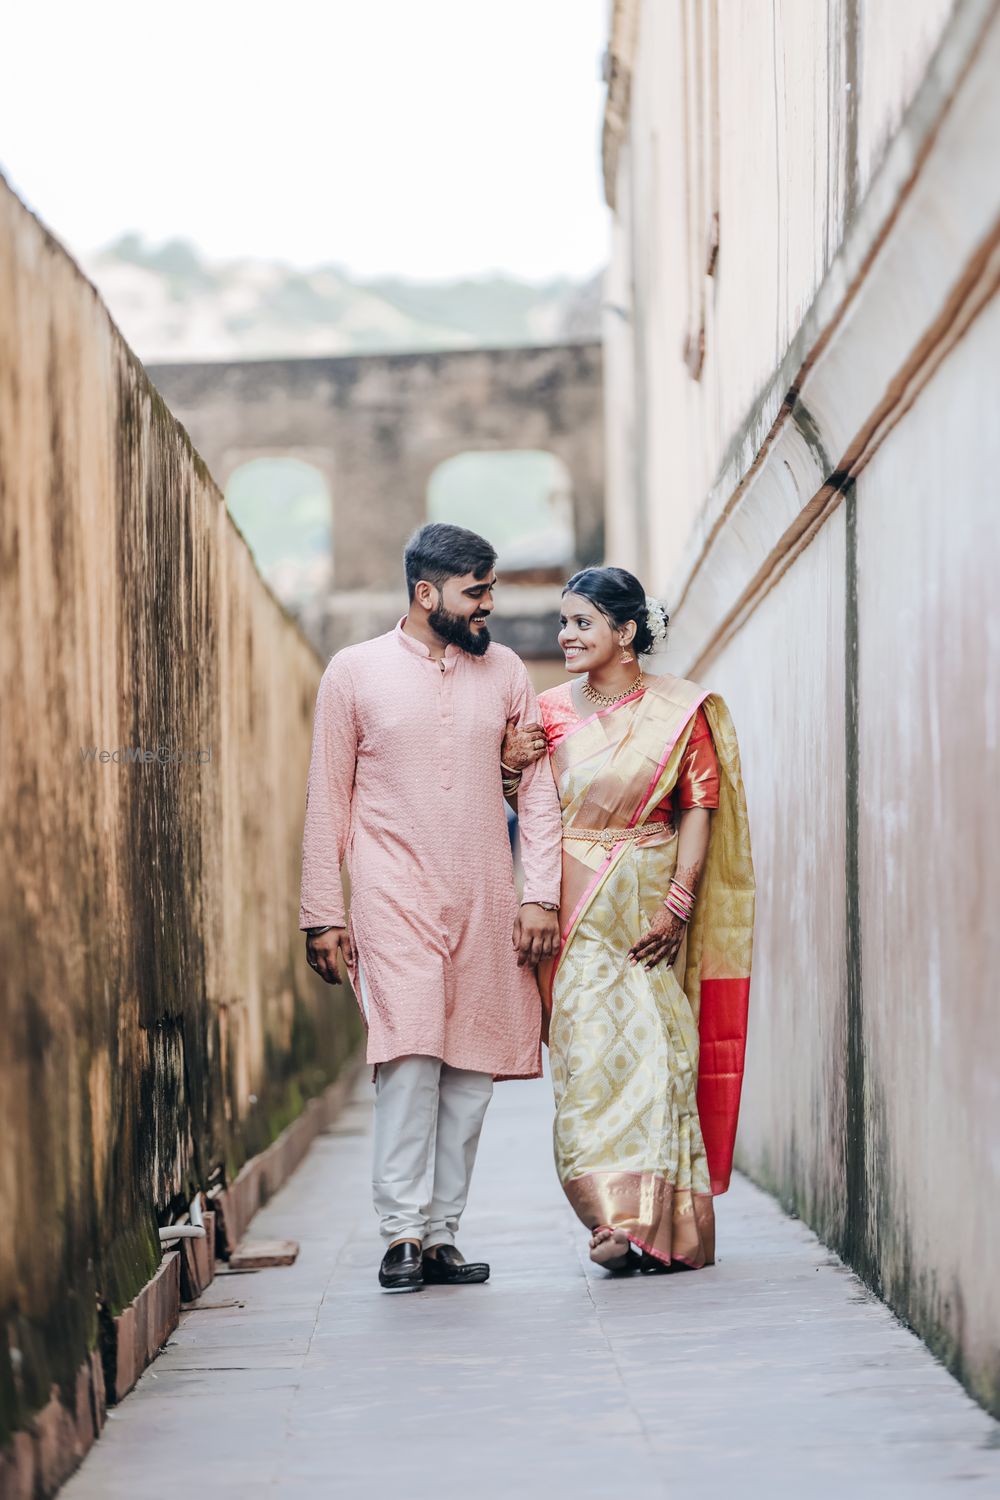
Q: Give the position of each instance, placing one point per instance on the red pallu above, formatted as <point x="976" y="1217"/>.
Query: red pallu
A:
<point x="722" y="1028"/>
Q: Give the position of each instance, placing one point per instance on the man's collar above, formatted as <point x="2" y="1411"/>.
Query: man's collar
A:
<point x="418" y="648"/>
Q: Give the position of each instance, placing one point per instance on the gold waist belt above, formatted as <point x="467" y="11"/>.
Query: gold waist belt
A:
<point x="608" y="836"/>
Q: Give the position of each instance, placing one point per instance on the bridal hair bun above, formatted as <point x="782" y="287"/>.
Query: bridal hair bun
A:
<point x="657" y="619"/>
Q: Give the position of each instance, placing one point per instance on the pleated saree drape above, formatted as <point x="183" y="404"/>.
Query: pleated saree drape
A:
<point x="647" y="1065"/>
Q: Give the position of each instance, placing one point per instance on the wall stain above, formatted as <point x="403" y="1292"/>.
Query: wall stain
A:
<point x="809" y="428"/>
<point x="856" y="1234"/>
<point x="142" y="902"/>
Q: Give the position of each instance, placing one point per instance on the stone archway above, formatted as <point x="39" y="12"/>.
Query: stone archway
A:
<point x="385" y="423"/>
<point x="521" y="498"/>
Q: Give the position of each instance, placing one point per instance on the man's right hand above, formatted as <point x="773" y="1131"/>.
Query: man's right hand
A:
<point x="322" y="952"/>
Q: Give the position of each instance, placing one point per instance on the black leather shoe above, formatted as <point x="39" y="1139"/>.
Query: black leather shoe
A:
<point x="401" y="1269"/>
<point x="447" y="1268"/>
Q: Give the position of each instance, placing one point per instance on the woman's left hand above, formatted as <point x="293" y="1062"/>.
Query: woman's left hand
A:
<point x="523" y="745"/>
<point x="662" y="941"/>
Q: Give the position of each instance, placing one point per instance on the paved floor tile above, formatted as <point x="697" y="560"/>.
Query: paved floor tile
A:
<point x="774" y="1373"/>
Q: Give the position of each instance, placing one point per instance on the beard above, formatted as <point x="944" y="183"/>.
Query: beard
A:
<point x="455" y="630"/>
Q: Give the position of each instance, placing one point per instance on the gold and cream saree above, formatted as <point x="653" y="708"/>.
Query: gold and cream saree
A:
<point x="646" y="1064"/>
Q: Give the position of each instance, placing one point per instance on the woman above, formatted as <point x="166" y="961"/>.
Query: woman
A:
<point x="647" y="997"/>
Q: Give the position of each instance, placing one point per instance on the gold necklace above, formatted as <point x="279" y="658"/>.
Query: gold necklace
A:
<point x="605" y="700"/>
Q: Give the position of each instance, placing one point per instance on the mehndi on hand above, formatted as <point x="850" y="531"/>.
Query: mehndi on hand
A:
<point x="522" y="745"/>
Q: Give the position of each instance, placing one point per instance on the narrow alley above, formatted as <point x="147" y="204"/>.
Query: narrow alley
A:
<point x="774" y="1373"/>
<point x="325" y="377"/>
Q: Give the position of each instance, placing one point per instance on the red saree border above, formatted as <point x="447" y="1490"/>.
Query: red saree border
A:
<point x="673" y="1259"/>
<point x="667" y="1188"/>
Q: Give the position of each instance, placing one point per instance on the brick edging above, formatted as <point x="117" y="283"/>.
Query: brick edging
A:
<point x="44" y="1454"/>
<point x="261" y="1177"/>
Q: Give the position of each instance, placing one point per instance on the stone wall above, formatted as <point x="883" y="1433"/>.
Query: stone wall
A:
<point x="803" y="341"/>
<point x="158" y="1023"/>
<point x="377" y="427"/>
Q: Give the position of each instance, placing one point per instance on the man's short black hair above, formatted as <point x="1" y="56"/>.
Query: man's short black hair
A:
<point x="439" y="551"/>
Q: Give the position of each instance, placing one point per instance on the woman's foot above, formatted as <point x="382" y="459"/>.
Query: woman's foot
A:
<point x="611" y="1249"/>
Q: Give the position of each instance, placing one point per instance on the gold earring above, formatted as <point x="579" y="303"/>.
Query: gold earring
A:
<point x="626" y="653"/>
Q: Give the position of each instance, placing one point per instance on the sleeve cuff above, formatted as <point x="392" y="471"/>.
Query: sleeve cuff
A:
<point x="532" y="897"/>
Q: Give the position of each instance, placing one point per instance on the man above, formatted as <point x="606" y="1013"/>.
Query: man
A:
<point x="406" y="785"/>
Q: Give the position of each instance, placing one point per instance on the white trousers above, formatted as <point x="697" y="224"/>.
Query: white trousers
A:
<point x="428" y="1118"/>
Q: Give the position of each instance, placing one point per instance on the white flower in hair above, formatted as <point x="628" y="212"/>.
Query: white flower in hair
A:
<point x="656" y="619"/>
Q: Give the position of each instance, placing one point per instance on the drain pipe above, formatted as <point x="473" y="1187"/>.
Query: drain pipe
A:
<point x="194" y="1230"/>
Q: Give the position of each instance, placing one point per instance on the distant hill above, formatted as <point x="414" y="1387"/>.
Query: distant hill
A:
<point x="171" y="303"/>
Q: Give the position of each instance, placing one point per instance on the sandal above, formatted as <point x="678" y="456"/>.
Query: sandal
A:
<point x="653" y="1266"/>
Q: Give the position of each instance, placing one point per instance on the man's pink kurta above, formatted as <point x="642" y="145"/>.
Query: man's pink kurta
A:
<point x="404" y="784"/>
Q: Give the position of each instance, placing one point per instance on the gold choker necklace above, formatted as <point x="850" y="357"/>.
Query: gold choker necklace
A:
<point x="604" y="700"/>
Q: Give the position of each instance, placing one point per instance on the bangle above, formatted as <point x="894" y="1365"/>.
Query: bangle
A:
<point x="511" y="772"/>
<point x="679" y="901"/>
<point x="318" y="931"/>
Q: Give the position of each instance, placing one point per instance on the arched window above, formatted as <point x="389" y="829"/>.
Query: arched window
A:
<point x="283" y="508"/>
<point x="521" y="500"/>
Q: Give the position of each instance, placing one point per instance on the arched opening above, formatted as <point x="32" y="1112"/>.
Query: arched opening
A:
<point x="283" y="508"/>
<point x="521" y="499"/>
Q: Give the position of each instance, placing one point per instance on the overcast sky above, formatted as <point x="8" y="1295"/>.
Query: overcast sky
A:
<point x="433" y="138"/>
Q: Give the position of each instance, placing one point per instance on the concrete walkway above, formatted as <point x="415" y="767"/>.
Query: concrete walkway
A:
<point x="772" y="1374"/>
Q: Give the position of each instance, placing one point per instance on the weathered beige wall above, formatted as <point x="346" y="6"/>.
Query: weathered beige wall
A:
<point x="775" y="125"/>
<point x="157" y="1018"/>
<point x="929" y="735"/>
<point x="803" y="449"/>
<point x="793" y="753"/>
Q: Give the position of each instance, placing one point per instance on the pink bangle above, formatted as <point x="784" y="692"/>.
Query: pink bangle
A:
<point x="679" y="901"/>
